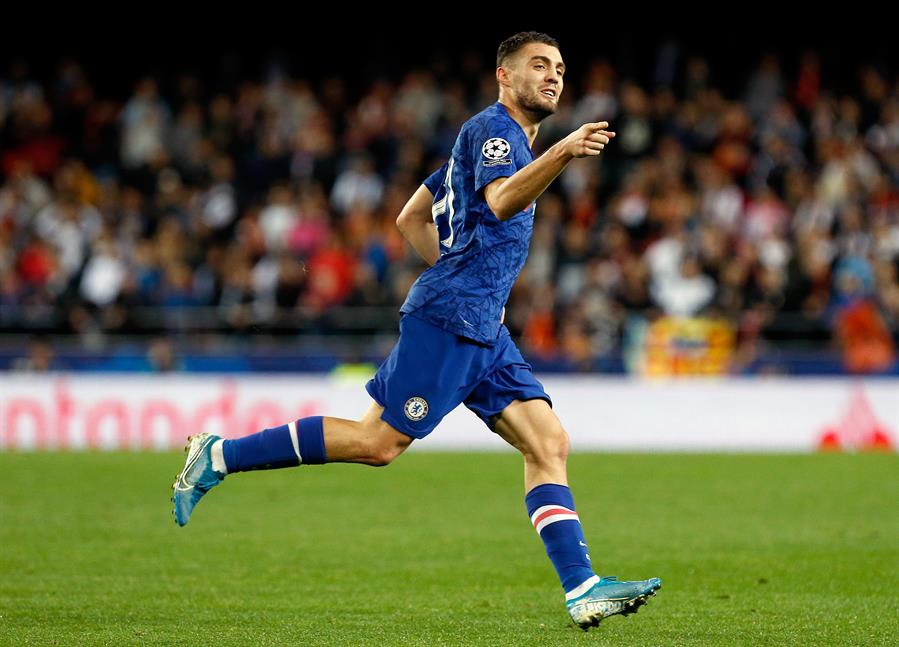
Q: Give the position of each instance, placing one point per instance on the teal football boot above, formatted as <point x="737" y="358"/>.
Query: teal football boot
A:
<point x="608" y="597"/>
<point x="197" y="477"/>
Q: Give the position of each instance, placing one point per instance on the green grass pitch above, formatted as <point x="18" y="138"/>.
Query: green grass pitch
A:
<point x="437" y="550"/>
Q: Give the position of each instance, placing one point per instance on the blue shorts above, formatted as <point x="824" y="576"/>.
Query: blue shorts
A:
<point x="430" y="371"/>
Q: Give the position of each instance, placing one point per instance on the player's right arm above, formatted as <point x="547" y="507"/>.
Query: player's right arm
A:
<point x="508" y="196"/>
<point x="416" y="224"/>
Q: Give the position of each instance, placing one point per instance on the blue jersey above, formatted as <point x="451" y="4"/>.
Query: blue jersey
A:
<point x="480" y="256"/>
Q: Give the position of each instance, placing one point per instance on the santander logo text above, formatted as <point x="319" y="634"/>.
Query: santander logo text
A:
<point x="68" y="416"/>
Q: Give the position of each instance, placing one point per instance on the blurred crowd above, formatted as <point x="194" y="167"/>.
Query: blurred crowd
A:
<point x="263" y="205"/>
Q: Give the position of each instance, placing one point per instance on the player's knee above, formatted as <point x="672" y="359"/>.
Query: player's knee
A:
<point x="551" y="446"/>
<point x="558" y="445"/>
<point x="376" y="442"/>
<point x="562" y="444"/>
<point x="383" y="454"/>
<point x="384" y="444"/>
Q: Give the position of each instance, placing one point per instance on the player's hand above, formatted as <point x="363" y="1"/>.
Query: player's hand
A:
<point x="589" y="139"/>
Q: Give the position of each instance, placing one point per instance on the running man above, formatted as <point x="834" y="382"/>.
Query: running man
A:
<point x="472" y="222"/>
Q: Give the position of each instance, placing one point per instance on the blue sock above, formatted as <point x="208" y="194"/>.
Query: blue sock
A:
<point x="551" y="508"/>
<point x="298" y="442"/>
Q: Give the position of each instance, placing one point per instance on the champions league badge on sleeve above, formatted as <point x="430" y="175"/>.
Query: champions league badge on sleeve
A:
<point x="496" y="149"/>
<point x="416" y="408"/>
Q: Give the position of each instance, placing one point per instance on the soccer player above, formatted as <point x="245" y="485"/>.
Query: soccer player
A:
<point x="472" y="222"/>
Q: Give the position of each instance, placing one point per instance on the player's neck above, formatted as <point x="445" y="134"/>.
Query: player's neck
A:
<point x="529" y="123"/>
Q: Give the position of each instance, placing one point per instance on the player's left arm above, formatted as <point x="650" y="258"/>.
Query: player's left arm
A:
<point x="416" y="224"/>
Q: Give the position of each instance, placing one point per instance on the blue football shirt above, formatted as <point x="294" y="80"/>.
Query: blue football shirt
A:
<point x="480" y="256"/>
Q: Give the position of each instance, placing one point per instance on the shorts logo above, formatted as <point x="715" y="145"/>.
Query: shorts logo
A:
<point x="416" y="408"/>
<point x="496" y="148"/>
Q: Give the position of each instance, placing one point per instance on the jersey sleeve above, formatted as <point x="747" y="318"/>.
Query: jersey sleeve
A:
<point x="436" y="178"/>
<point x="493" y="152"/>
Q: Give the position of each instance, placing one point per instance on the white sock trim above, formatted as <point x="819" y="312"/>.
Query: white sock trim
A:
<point x="218" y="457"/>
<point x="292" y="428"/>
<point x="581" y="588"/>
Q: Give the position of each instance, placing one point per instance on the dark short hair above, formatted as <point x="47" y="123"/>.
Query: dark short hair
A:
<point x="514" y="43"/>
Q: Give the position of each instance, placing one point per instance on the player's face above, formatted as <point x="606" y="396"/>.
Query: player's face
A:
<point x="536" y="78"/>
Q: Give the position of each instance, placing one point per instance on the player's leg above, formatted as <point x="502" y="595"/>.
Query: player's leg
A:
<point x="514" y="404"/>
<point x="533" y="428"/>
<point x="312" y="441"/>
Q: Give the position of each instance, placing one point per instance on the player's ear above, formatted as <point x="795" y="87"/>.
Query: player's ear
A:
<point x="502" y="76"/>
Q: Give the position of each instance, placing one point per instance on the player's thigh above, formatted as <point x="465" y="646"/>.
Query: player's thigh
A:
<point x="533" y="428"/>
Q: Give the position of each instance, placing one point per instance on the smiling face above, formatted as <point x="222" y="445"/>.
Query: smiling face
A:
<point x="532" y="77"/>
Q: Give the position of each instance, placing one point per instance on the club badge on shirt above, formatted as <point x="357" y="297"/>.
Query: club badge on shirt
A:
<point x="416" y="408"/>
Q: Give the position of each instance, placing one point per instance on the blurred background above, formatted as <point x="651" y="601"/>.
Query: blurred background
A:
<point x="233" y="210"/>
<point x="238" y="208"/>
